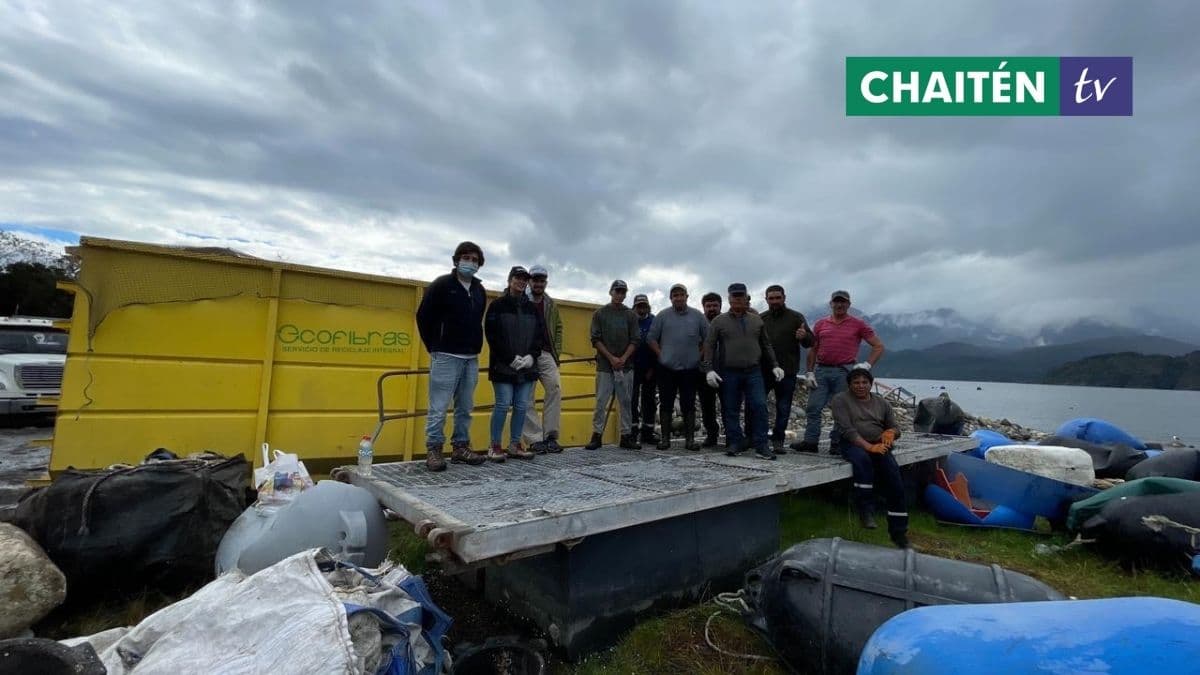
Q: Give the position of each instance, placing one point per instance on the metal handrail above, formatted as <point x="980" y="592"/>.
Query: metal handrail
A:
<point x="384" y="417"/>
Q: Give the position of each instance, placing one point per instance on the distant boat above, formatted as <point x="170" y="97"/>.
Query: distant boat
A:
<point x="978" y="388"/>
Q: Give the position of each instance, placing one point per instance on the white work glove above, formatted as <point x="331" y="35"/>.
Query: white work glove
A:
<point x="810" y="380"/>
<point x="865" y="365"/>
<point x="527" y="361"/>
<point x="778" y="373"/>
<point x="713" y="379"/>
<point x="516" y="363"/>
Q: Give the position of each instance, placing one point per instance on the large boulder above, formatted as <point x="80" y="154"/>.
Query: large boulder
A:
<point x="30" y="583"/>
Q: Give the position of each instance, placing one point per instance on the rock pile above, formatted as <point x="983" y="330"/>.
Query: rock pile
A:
<point x="904" y="417"/>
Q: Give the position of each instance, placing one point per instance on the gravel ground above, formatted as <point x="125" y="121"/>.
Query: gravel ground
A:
<point x="20" y="459"/>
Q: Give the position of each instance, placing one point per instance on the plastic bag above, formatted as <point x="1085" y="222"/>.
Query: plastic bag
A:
<point x="280" y="479"/>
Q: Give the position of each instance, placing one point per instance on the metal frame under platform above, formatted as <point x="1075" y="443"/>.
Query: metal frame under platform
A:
<point x="525" y="507"/>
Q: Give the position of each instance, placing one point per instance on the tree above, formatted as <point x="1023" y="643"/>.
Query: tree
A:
<point x="29" y="271"/>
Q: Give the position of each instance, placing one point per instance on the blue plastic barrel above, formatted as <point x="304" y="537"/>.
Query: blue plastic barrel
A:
<point x="1115" y="635"/>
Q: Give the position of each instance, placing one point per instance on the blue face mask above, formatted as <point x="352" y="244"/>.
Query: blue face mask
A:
<point x="467" y="269"/>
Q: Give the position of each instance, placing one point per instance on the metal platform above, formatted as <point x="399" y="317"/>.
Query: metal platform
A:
<point x="518" y="508"/>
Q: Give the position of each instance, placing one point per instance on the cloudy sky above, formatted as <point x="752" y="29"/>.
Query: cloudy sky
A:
<point x="702" y="142"/>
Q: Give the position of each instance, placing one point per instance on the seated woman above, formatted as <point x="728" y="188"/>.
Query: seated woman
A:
<point x="868" y="431"/>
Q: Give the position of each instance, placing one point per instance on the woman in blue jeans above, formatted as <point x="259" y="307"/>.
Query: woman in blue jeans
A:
<point x="515" y="334"/>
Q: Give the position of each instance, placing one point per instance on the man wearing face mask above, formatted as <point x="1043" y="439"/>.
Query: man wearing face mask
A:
<point x="450" y="321"/>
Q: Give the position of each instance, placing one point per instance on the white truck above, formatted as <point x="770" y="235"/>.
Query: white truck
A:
<point x="32" y="355"/>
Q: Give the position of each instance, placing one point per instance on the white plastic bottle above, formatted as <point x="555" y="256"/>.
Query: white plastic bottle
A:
<point x="366" y="453"/>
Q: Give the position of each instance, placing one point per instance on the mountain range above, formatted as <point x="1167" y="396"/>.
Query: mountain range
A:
<point x="943" y="344"/>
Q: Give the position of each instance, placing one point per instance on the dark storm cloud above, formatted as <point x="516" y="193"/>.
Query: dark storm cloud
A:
<point x="632" y="139"/>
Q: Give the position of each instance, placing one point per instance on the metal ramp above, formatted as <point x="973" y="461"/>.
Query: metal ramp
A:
<point x="521" y="508"/>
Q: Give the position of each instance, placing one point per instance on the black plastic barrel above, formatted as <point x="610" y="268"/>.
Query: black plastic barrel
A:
<point x="38" y="655"/>
<point x="819" y="601"/>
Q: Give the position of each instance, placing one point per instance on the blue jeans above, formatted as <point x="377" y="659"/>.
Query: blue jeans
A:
<point x="736" y="385"/>
<point x="515" y="396"/>
<point x="784" y="390"/>
<point x="831" y="380"/>
<point x="450" y="377"/>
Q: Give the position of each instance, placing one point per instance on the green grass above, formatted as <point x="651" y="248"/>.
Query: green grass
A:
<point x="675" y="643"/>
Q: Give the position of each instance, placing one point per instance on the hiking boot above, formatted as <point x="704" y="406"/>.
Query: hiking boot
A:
<point x="804" y="446"/>
<point x="710" y="441"/>
<point x="764" y="453"/>
<point x="900" y="539"/>
<point x="553" y="446"/>
<point x="539" y="448"/>
<point x="689" y="442"/>
<point x="518" y="451"/>
<point x="496" y="454"/>
<point x="461" y="453"/>
<point x="664" y="444"/>
<point x="594" y="443"/>
<point x="866" y="516"/>
<point x="777" y="447"/>
<point x="735" y="449"/>
<point x="433" y="458"/>
<point x="630" y="442"/>
<point x="649" y="437"/>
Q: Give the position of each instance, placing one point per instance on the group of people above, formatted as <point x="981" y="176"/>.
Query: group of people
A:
<point x="645" y="362"/>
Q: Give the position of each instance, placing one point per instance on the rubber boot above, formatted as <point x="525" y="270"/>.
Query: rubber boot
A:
<point x="866" y="515"/>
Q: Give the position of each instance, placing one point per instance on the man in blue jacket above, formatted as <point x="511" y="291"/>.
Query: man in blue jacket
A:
<point x="450" y="320"/>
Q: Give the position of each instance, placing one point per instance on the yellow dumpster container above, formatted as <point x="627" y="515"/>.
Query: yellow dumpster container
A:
<point x="205" y="349"/>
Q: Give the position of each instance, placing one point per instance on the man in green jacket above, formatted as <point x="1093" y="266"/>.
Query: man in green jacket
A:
<point x="542" y="435"/>
<point x="788" y="332"/>
<point x="615" y="335"/>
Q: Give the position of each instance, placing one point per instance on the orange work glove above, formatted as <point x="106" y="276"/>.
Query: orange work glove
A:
<point x="888" y="438"/>
<point x="878" y="448"/>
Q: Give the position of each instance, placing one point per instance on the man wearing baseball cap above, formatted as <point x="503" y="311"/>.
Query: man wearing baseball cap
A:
<point x="709" y="415"/>
<point x="833" y="355"/>
<point x="677" y="338"/>
<point x="642" y="397"/>
<point x="615" y="335"/>
<point x="741" y="339"/>
<point x="542" y="435"/>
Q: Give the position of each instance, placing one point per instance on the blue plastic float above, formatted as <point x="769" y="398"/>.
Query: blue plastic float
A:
<point x="1081" y="637"/>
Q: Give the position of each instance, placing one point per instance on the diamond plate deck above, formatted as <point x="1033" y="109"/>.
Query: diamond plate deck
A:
<point x="499" y="509"/>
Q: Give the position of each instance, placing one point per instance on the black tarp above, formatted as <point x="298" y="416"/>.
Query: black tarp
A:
<point x="154" y="525"/>
<point x="1174" y="463"/>
<point x="1153" y="528"/>
<point x="1110" y="460"/>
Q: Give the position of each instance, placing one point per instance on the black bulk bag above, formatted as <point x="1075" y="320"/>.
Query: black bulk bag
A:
<point x="150" y="526"/>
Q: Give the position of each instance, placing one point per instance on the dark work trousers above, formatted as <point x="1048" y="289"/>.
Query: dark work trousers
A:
<point x="785" y="391"/>
<point x="869" y="471"/>
<point x="642" y="399"/>
<point x="684" y="383"/>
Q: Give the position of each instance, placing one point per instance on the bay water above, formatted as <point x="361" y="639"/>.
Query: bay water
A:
<point x="1149" y="414"/>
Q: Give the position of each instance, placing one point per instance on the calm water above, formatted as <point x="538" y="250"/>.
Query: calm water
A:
<point x="1150" y="414"/>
